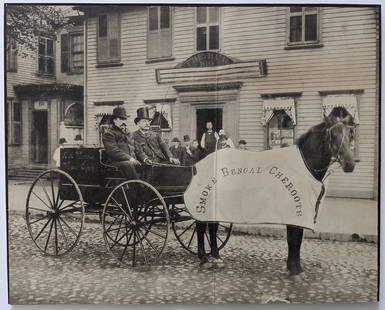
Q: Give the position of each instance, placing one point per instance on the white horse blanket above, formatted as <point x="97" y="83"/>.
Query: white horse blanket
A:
<point x="248" y="187"/>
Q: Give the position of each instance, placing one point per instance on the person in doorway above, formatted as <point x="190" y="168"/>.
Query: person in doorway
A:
<point x="176" y="149"/>
<point x="119" y="145"/>
<point x="149" y="146"/>
<point x="56" y="153"/>
<point x="209" y="139"/>
<point x="242" y="145"/>
<point x="224" y="141"/>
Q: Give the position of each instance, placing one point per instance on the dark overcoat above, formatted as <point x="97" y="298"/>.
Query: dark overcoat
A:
<point x="150" y="146"/>
<point x="119" y="146"/>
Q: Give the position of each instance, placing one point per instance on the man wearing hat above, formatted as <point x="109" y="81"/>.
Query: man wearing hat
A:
<point x="149" y="146"/>
<point x="176" y="149"/>
<point x="119" y="145"/>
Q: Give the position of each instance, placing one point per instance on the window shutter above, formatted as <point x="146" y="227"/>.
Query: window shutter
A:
<point x="65" y="52"/>
<point x="113" y="34"/>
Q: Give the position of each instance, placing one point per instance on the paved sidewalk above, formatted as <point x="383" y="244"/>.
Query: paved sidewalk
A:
<point x="342" y="219"/>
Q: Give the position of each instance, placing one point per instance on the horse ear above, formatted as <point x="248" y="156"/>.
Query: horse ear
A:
<point x="328" y="121"/>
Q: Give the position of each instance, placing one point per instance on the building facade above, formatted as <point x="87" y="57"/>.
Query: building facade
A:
<point x="265" y="74"/>
<point x="44" y="97"/>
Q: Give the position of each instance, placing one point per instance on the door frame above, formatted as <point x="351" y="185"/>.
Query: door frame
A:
<point x="194" y="109"/>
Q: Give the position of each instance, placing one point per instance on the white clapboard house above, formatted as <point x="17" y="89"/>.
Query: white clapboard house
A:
<point x="265" y="74"/>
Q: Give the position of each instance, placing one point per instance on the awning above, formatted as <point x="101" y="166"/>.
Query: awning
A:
<point x="102" y="110"/>
<point x="349" y="102"/>
<point x="271" y="105"/>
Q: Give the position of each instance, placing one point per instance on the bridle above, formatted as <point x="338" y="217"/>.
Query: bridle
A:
<point x="335" y="157"/>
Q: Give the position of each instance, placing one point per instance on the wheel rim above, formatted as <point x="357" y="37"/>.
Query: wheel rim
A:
<point x="55" y="212"/>
<point x="135" y="223"/>
<point x="185" y="231"/>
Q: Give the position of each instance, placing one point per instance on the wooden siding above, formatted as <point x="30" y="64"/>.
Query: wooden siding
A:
<point x="347" y="61"/>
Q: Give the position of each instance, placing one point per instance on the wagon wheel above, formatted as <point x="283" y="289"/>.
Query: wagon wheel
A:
<point x="55" y="212"/>
<point x="135" y="223"/>
<point x="184" y="227"/>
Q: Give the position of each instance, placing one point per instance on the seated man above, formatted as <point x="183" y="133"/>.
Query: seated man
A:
<point x="149" y="146"/>
<point x="119" y="145"/>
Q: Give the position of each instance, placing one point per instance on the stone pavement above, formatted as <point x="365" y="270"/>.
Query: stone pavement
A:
<point x="335" y="272"/>
<point x="340" y="219"/>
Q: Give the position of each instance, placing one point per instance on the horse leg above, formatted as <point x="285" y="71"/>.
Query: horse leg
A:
<point x="294" y="241"/>
<point x="201" y="228"/>
<point x="213" y="229"/>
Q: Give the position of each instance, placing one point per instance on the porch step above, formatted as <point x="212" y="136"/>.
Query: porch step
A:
<point x="25" y="173"/>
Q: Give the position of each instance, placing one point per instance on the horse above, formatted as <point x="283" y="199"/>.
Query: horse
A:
<point x="321" y="146"/>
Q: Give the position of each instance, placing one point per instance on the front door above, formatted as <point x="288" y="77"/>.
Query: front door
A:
<point x="215" y="115"/>
<point x="40" y="137"/>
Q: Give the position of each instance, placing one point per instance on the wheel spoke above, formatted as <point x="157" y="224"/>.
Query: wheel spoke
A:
<point x="219" y="238"/>
<point x="148" y="241"/>
<point x="40" y="219"/>
<point x="69" y="205"/>
<point x="70" y="228"/>
<point x="76" y="216"/>
<point x="128" y="205"/>
<point x="49" y="235"/>
<point x="41" y="200"/>
<point x="117" y="233"/>
<point x="208" y="239"/>
<point x="115" y="219"/>
<point x="142" y="247"/>
<point x="126" y="246"/>
<point x="46" y="193"/>
<point x="63" y="234"/>
<point x="37" y="209"/>
<point x="117" y="204"/>
<point x="46" y="224"/>
<point x="53" y="192"/>
<point x="186" y="229"/>
<point x="56" y="242"/>
<point x="155" y="233"/>
<point x="192" y="237"/>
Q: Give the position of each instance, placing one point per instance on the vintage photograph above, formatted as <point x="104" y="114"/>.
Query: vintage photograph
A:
<point x="192" y="154"/>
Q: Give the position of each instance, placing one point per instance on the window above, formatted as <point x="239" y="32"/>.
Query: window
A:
<point x="207" y="28"/>
<point x="280" y="130"/>
<point x="72" y="52"/>
<point x="11" y="55"/>
<point x="303" y="27"/>
<point x="108" y="38"/>
<point x="159" y="37"/>
<point x="46" y="56"/>
<point x="14" y="123"/>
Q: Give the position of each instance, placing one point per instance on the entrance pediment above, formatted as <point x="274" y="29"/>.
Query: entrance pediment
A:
<point x="211" y="67"/>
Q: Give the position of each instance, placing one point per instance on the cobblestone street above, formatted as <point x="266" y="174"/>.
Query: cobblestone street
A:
<point x="254" y="273"/>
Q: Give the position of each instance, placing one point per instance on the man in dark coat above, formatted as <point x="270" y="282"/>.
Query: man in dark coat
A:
<point x="119" y="145"/>
<point x="149" y="146"/>
<point x="209" y="139"/>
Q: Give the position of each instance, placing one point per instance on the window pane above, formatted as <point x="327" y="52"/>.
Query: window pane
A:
<point x="41" y="46"/>
<point x="114" y="49"/>
<point x="311" y="27"/>
<point x="77" y="60"/>
<point x="50" y="65"/>
<point x="77" y="43"/>
<point x="295" y="28"/>
<point x="164" y="17"/>
<point x="201" y="15"/>
<point x="49" y="47"/>
<point x="294" y="9"/>
<point x="103" y="26"/>
<point x="16" y="111"/>
<point x="41" y="64"/>
<point x="17" y="133"/>
<point x="214" y="38"/>
<point x="153" y="18"/>
<point x="201" y="38"/>
<point x="213" y="15"/>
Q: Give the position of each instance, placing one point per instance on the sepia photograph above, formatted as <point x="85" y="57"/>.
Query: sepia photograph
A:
<point x="192" y="153"/>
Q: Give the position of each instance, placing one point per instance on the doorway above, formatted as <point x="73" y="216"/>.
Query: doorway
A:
<point x="39" y="137"/>
<point x="215" y="115"/>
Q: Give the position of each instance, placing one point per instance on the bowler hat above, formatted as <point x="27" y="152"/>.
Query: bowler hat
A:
<point x="78" y="138"/>
<point x="186" y="138"/>
<point x="175" y="140"/>
<point x="142" y="113"/>
<point x="242" y="142"/>
<point x="119" y="112"/>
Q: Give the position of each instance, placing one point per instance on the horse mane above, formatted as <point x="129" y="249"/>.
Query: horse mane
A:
<point x="304" y="137"/>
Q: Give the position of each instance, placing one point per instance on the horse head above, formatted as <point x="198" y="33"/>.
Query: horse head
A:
<point x="340" y="136"/>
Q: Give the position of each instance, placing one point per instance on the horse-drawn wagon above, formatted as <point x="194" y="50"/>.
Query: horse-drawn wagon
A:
<point x="136" y="215"/>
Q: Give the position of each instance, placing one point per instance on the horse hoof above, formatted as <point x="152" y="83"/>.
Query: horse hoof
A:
<point x="218" y="262"/>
